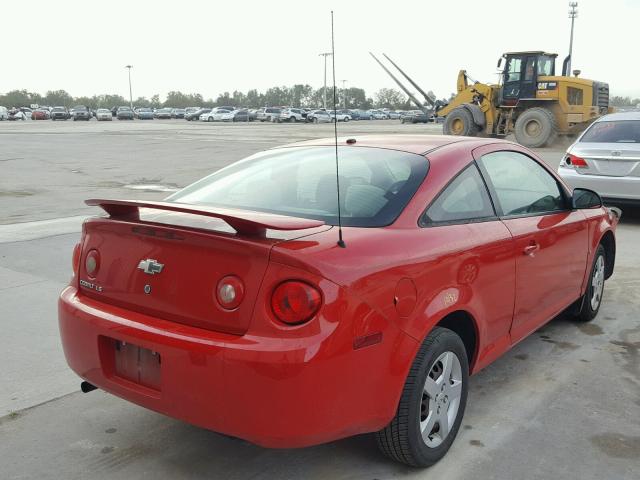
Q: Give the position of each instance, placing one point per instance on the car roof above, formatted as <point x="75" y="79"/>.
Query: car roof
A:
<point x="419" y="144"/>
<point x="612" y="117"/>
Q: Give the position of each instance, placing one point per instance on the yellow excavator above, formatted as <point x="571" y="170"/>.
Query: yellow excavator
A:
<point x="530" y="101"/>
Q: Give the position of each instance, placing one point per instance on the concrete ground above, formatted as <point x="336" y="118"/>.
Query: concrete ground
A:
<point x="563" y="403"/>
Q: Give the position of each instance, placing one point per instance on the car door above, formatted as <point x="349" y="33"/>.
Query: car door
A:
<point x="468" y="262"/>
<point x="550" y="239"/>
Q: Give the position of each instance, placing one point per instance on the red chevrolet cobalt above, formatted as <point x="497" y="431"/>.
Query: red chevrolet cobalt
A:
<point x="232" y="305"/>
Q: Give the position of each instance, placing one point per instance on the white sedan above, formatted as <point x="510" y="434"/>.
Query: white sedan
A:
<point x="216" y="115"/>
<point x="340" y="115"/>
<point x="606" y="158"/>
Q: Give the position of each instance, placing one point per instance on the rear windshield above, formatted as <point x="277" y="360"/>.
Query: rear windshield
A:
<point x="622" y="131"/>
<point x="375" y="184"/>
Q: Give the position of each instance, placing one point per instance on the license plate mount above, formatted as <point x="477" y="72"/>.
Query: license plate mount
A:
<point x="137" y="364"/>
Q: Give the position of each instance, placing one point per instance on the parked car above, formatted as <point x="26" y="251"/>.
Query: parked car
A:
<point x="253" y="114"/>
<point x="80" y="112"/>
<point x="215" y="115"/>
<point x="292" y="115"/>
<point x="16" y="114"/>
<point x="268" y="114"/>
<point x="393" y="115"/>
<point x="28" y="112"/>
<point x="340" y="115"/>
<point x="355" y="114"/>
<point x="195" y="115"/>
<point x="143" y="113"/>
<point x="606" y="158"/>
<point x="364" y="115"/>
<point x="178" y="113"/>
<point x="318" y="116"/>
<point x="60" y="113"/>
<point x="414" y="116"/>
<point x="124" y="113"/>
<point x="4" y="113"/>
<point x="163" y="113"/>
<point x="40" y="114"/>
<point x="104" y="114"/>
<point x="378" y="115"/>
<point x="238" y="115"/>
<point x="436" y="280"/>
<point x="190" y="110"/>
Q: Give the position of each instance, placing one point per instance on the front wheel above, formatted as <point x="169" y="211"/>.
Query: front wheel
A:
<point x="432" y="403"/>
<point x="460" y="122"/>
<point x="592" y="299"/>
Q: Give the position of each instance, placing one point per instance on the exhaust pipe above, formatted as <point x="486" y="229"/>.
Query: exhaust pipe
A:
<point x="86" y="387"/>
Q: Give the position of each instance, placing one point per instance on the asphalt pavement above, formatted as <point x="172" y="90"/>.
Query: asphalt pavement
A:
<point x="564" y="403"/>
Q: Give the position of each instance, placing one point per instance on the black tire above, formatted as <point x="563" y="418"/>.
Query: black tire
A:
<point x="346" y="119"/>
<point x="402" y="440"/>
<point x="536" y="127"/>
<point x="460" y="123"/>
<point x="586" y="311"/>
<point x="315" y="120"/>
<point x="293" y="119"/>
<point x="210" y="119"/>
<point x="402" y="121"/>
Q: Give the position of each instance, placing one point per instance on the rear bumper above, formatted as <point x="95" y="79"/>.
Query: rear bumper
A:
<point x="626" y="189"/>
<point x="274" y="392"/>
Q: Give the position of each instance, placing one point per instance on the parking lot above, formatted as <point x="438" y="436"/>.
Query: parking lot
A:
<point x="562" y="404"/>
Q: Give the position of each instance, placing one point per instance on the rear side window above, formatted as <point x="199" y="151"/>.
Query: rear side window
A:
<point x="622" y="131"/>
<point x="465" y="199"/>
<point x="521" y="185"/>
<point x="375" y="184"/>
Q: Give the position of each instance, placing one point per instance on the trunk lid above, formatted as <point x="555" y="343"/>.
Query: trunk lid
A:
<point x="609" y="159"/>
<point x="195" y="251"/>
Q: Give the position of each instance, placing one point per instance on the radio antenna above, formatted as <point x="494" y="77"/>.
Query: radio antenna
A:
<point x="335" y="133"/>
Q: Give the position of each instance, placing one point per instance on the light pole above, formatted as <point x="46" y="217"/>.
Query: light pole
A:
<point x="324" y="98"/>
<point x="573" y="13"/>
<point x="344" y="94"/>
<point x="129" y="67"/>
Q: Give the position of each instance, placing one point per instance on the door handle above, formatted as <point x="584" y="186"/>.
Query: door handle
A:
<point x="531" y="249"/>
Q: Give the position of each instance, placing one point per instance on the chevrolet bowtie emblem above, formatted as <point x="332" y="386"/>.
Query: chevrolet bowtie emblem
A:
<point x="150" y="266"/>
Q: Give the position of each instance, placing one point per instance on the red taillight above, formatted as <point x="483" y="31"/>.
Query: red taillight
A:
<point x="230" y="292"/>
<point x="576" y="161"/>
<point x="295" y="302"/>
<point x="92" y="263"/>
<point x="75" y="259"/>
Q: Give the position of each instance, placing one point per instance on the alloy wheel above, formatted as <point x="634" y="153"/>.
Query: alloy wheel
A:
<point x="597" y="283"/>
<point x="440" y="399"/>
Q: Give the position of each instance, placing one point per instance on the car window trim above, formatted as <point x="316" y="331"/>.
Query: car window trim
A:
<point x="496" y="201"/>
<point x="463" y="221"/>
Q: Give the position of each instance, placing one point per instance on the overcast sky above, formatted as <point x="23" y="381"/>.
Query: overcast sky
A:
<point x="209" y="47"/>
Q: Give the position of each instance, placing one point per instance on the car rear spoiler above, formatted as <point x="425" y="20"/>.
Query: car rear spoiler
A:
<point x="242" y="221"/>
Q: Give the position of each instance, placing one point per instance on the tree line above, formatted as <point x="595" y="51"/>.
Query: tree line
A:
<point x="617" y="101"/>
<point x="294" y="96"/>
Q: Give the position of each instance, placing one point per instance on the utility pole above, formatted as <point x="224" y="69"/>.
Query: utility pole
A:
<point x="129" y="67"/>
<point x="344" y="94"/>
<point x="573" y="13"/>
<point x="324" y="98"/>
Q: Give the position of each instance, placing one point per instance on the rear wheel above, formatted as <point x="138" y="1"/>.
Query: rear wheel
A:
<point x="432" y="402"/>
<point x="210" y="119"/>
<point x="293" y="119"/>
<point x="315" y="119"/>
<point x="535" y="127"/>
<point x="460" y="122"/>
<point x="592" y="299"/>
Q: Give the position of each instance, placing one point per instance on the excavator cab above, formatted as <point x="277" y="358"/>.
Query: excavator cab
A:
<point x="520" y="74"/>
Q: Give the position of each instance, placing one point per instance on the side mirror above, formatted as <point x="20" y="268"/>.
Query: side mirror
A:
<point x="585" y="198"/>
<point x="499" y="63"/>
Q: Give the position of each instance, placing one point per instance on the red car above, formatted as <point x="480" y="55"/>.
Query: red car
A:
<point x="40" y="114"/>
<point x="232" y="305"/>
